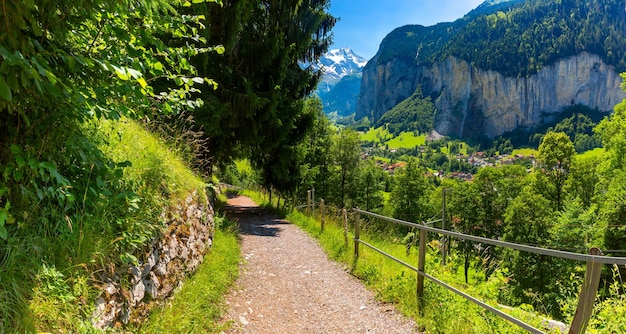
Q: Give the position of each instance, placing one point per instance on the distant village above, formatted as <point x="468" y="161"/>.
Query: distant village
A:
<point x="478" y="159"/>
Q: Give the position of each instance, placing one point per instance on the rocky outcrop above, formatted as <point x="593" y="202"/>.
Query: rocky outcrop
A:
<point x="128" y="292"/>
<point x="475" y="102"/>
<point x="383" y="86"/>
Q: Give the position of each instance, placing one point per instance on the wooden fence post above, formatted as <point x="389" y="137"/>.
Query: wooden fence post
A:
<point x="356" y="234"/>
<point x="443" y="227"/>
<point x="322" y="212"/>
<point x="587" y="296"/>
<point x="421" y="263"/>
<point x="308" y="201"/>
<point x="313" y="202"/>
<point x="345" y="225"/>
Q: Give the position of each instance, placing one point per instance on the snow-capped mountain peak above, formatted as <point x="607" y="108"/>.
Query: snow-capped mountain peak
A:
<point x="345" y="57"/>
<point x="338" y="63"/>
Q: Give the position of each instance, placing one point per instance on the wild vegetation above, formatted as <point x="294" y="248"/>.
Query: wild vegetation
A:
<point x="557" y="199"/>
<point x="111" y="112"/>
<point x="90" y="159"/>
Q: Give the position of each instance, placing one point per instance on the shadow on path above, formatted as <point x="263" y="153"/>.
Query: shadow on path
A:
<point x="253" y="220"/>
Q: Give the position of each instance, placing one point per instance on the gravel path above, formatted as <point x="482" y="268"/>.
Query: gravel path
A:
<point x="288" y="285"/>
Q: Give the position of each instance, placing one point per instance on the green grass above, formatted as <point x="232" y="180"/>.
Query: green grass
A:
<point x="595" y="153"/>
<point x="153" y="166"/>
<point x="376" y="135"/>
<point x="198" y="306"/>
<point x="244" y="166"/>
<point x="462" y="149"/>
<point x="49" y="262"/>
<point x="524" y="151"/>
<point x="441" y="311"/>
<point x="383" y="159"/>
<point x="406" y="140"/>
<point x="382" y="137"/>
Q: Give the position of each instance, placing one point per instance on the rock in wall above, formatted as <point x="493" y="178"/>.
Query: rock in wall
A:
<point x="475" y="102"/>
<point x="128" y="293"/>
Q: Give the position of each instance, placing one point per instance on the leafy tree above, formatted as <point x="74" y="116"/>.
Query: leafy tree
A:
<point x="495" y="188"/>
<point x="467" y="217"/>
<point x="583" y="178"/>
<point x="346" y="155"/>
<point x="258" y="110"/>
<point x="613" y="212"/>
<point x="502" y="146"/>
<point x="410" y="193"/>
<point x="579" y="128"/>
<point x="372" y="179"/>
<point x="612" y="131"/>
<point x="577" y="228"/>
<point x="527" y="221"/>
<point x="555" y="157"/>
<point x="317" y="165"/>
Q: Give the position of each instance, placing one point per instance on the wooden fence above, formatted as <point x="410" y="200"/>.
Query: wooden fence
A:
<point x="594" y="260"/>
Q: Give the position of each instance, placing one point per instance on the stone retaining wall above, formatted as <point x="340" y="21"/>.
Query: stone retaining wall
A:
<point x="128" y="293"/>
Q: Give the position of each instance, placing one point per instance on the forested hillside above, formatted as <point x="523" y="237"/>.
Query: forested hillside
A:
<point x="507" y="66"/>
<point x="115" y="113"/>
<point x="518" y="38"/>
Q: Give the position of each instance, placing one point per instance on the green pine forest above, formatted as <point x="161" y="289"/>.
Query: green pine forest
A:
<point x="113" y="111"/>
<point x="517" y="38"/>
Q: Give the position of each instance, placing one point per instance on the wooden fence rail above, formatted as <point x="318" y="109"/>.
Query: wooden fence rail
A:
<point x="587" y="297"/>
<point x="595" y="260"/>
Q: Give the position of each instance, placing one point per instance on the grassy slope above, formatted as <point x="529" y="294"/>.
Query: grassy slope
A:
<point x="376" y="134"/>
<point x="46" y="271"/>
<point x="153" y="165"/>
<point x="442" y="311"/>
<point x="524" y="151"/>
<point x="406" y="140"/>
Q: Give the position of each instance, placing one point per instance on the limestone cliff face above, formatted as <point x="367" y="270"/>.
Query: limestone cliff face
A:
<point x="474" y="102"/>
<point x="383" y="86"/>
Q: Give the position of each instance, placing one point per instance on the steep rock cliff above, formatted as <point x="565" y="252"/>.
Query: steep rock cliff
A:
<point x="475" y="102"/>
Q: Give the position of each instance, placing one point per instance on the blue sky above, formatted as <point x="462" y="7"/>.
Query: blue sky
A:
<point x="364" y="23"/>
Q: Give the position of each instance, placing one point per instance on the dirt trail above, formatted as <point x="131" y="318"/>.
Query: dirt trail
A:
<point x="288" y="285"/>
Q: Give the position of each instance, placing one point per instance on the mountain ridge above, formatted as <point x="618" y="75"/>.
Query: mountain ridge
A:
<point x="341" y="82"/>
<point x="493" y="46"/>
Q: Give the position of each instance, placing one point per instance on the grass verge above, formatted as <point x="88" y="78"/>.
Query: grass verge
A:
<point x="199" y="304"/>
<point x="441" y="311"/>
<point x="113" y="181"/>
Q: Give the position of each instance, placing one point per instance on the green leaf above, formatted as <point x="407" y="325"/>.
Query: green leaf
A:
<point x="16" y="149"/>
<point x="5" y="91"/>
<point x="120" y="72"/>
<point x="4" y="234"/>
<point x="220" y="49"/>
<point x="20" y="161"/>
<point x="133" y="73"/>
<point x="53" y="79"/>
<point x="158" y="66"/>
<point x="142" y="82"/>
